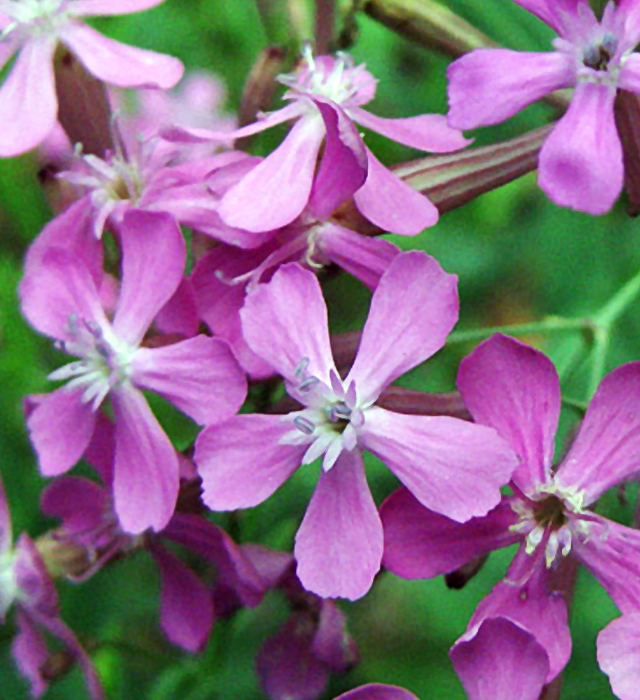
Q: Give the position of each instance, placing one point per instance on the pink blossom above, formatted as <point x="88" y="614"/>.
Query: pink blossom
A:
<point x="274" y="193"/>
<point x="453" y="466"/>
<point x="26" y="586"/>
<point x="28" y="103"/>
<point x="515" y="389"/>
<point x="619" y="655"/>
<point x="581" y="164"/>
<point x="199" y="375"/>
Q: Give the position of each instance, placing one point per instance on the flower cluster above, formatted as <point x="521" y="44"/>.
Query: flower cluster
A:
<point x="229" y="327"/>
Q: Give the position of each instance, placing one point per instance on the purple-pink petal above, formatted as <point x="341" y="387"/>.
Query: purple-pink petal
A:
<point x="525" y="597"/>
<point x="88" y="8"/>
<point x="6" y="537"/>
<point x="377" y="691"/>
<point x="29" y="649"/>
<point x="502" y="662"/>
<point x="60" y="428"/>
<point x="78" y="502"/>
<point x="391" y="204"/>
<point x="153" y="260"/>
<point x="619" y="655"/>
<point x="339" y="544"/>
<point x="580" y="163"/>
<point x="146" y="471"/>
<point x="60" y="288"/>
<point x="331" y="642"/>
<point x="553" y="12"/>
<point x="629" y="77"/>
<point x="426" y="132"/>
<point x="413" y="309"/>
<point x="276" y="191"/>
<point x="186" y="604"/>
<point x="285" y="321"/>
<point x="452" y="467"/>
<point x="241" y="461"/>
<point x="200" y="376"/>
<point x="515" y="389"/>
<point x="607" y="448"/>
<point x="180" y="314"/>
<point x="421" y="544"/>
<point x="364" y="257"/>
<point x="487" y="86"/>
<point x="612" y="553"/>
<point x="28" y="104"/>
<point x="119" y="64"/>
<point x="288" y="668"/>
<point x="343" y="169"/>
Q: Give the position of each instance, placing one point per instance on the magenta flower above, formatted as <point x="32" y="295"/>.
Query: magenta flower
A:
<point x="453" y="466"/>
<point x="581" y="163"/>
<point x="28" y="103"/>
<point x="26" y="585"/>
<point x="377" y="691"/>
<point x="274" y="193"/>
<point x="515" y="389"/>
<point x="199" y="375"/>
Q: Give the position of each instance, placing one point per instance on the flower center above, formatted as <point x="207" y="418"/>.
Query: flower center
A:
<point x="34" y="17"/>
<point x="598" y="56"/>
<point x="105" y="364"/>
<point x="550" y="512"/>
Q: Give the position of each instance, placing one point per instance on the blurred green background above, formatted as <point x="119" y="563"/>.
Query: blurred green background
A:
<point x="519" y="257"/>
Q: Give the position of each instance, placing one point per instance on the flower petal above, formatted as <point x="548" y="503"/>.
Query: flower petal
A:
<point x="339" y="544"/>
<point x="515" y="389"/>
<point x="343" y="169"/>
<point x="502" y="662"/>
<point x="377" y="691"/>
<point x="487" y="86"/>
<point x="452" y="467"/>
<point x="200" y="376"/>
<point x="29" y="649"/>
<point x="28" y="104"/>
<point x="186" y="613"/>
<point x="580" y="164"/>
<point x="60" y="288"/>
<point x="525" y="598"/>
<point x="413" y="309"/>
<point x="89" y="8"/>
<point x="426" y="132"/>
<point x="153" y="260"/>
<point x="391" y="204"/>
<point x="366" y="258"/>
<point x="146" y="472"/>
<point x="285" y="321"/>
<point x="619" y="655"/>
<point x="78" y="502"/>
<point x="276" y="191"/>
<point x="422" y="544"/>
<point x="612" y="553"/>
<point x="287" y="666"/>
<point x="6" y="537"/>
<point x="555" y="13"/>
<point x="180" y="314"/>
<point x="607" y="448"/>
<point x="119" y="64"/>
<point x="60" y="428"/>
<point x="241" y="461"/>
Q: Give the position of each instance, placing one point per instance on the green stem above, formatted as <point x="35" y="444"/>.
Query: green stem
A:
<point x="550" y="324"/>
<point x="618" y="303"/>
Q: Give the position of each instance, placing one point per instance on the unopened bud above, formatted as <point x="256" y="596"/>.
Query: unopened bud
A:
<point x="61" y="556"/>
<point x="260" y="87"/>
<point x="83" y="105"/>
<point x="460" y="577"/>
<point x="627" y="113"/>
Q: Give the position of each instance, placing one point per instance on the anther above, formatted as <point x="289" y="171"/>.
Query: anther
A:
<point x="304" y="425"/>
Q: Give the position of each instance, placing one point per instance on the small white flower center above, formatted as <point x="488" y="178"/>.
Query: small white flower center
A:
<point x="551" y="518"/>
<point x="35" y="17"/>
<point x="105" y="363"/>
<point x="331" y="421"/>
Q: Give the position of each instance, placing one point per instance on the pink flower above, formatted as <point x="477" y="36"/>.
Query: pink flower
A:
<point x="619" y="655"/>
<point x="581" y="163"/>
<point x="274" y="193"/>
<point x="453" y="466"/>
<point x="28" y="103"/>
<point x="26" y="585"/>
<point x="199" y="375"/>
<point x="515" y="389"/>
